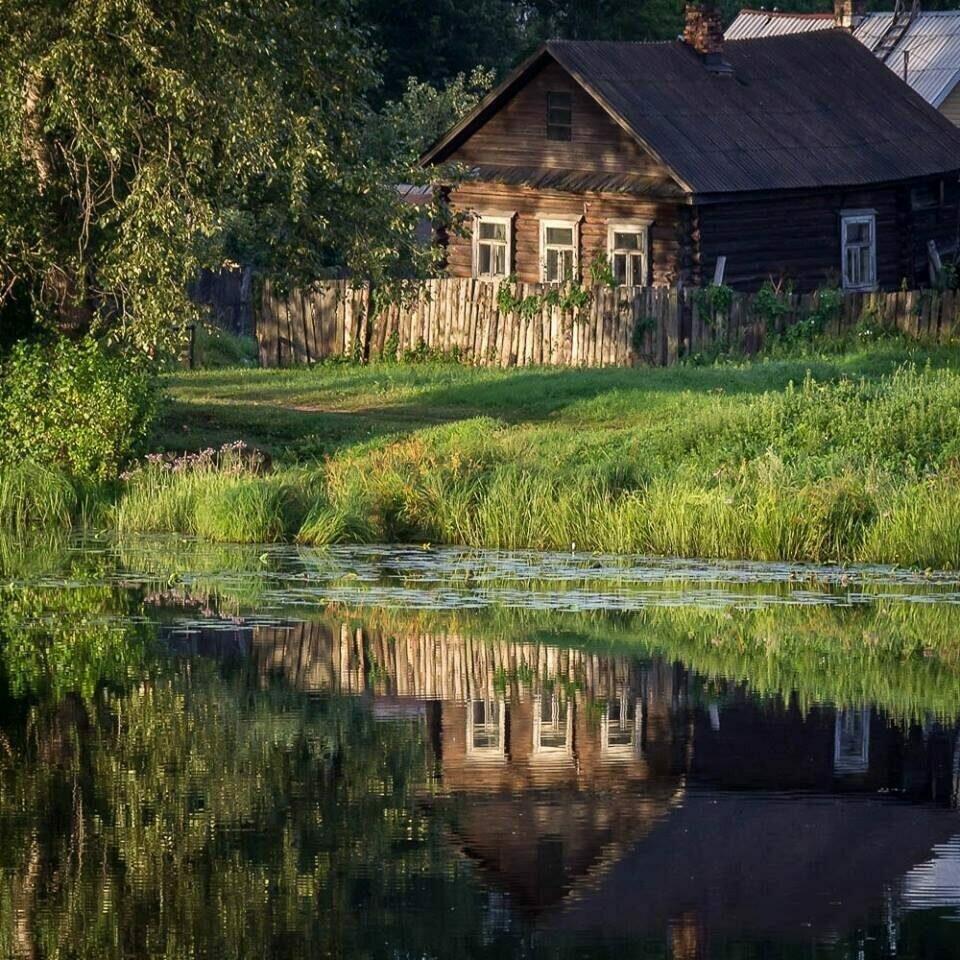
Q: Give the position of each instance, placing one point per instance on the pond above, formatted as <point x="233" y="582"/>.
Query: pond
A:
<point x="383" y="752"/>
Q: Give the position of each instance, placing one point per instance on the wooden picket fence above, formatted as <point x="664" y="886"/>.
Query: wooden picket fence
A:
<point x="622" y="327"/>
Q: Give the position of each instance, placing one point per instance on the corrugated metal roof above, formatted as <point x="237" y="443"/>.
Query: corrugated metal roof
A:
<point x="803" y="110"/>
<point x="932" y="39"/>
<point x="750" y="24"/>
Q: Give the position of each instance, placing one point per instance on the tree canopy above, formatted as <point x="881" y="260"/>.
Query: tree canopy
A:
<point x="143" y="139"/>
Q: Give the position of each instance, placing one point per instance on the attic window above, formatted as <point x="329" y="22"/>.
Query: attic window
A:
<point x="559" y="116"/>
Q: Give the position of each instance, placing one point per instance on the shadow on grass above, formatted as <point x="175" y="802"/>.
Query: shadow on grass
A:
<point x="305" y="413"/>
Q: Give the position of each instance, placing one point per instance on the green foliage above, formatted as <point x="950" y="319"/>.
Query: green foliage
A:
<point x="214" y="347"/>
<point x="714" y="302"/>
<point x="35" y="496"/>
<point x="138" y="145"/>
<point x="638" y="339"/>
<point x="406" y="127"/>
<point x="771" y="304"/>
<point x="601" y="272"/>
<point x="73" y="406"/>
<point x="572" y="295"/>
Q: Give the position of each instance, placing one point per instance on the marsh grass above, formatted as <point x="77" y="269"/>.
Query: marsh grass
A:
<point x="754" y="461"/>
<point x="33" y="496"/>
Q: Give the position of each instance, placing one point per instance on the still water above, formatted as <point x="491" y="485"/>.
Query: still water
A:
<point x="413" y="753"/>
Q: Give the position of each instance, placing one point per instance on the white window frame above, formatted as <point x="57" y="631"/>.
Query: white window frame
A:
<point x="847" y="219"/>
<point x="642" y="229"/>
<point x="560" y="725"/>
<point x="497" y="750"/>
<point x="612" y="732"/>
<point x="573" y="224"/>
<point x="505" y="220"/>
<point x="847" y="762"/>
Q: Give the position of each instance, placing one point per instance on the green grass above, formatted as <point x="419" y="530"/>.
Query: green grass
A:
<point x="847" y="457"/>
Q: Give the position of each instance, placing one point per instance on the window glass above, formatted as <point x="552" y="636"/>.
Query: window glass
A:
<point x="558" y="251"/>
<point x="628" y="252"/>
<point x="859" y="255"/>
<point x="559" y="116"/>
<point x="491" y="230"/>
<point x="492" y="247"/>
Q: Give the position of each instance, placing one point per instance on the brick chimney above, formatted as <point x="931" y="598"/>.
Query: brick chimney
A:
<point x="849" y="13"/>
<point x="704" y="33"/>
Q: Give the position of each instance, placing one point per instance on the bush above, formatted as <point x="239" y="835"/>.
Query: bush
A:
<point x="73" y="406"/>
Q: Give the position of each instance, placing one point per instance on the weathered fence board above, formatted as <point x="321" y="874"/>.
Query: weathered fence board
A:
<point x="622" y="327"/>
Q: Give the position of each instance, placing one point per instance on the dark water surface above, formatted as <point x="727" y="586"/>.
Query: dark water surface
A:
<point x="411" y="753"/>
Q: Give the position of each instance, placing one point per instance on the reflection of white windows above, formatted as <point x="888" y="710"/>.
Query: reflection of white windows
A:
<point x="552" y="726"/>
<point x="851" y="742"/>
<point x="492" y="246"/>
<point x="620" y="727"/>
<point x="485" y="729"/>
<point x="859" y="249"/>
<point x="559" y="243"/>
<point x="627" y="250"/>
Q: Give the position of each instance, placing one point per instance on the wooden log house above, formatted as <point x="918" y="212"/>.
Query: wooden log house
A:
<point x="798" y="158"/>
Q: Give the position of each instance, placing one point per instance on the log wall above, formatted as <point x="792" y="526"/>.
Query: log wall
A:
<point x="594" y="211"/>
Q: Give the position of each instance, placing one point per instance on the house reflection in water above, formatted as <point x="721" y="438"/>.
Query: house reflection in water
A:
<point x="600" y="793"/>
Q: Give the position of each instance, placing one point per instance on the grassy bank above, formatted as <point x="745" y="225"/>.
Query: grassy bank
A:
<point x="843" y="458"/>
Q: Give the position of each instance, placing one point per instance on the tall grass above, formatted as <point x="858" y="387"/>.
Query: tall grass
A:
<point x="33" y="496"/>
<point x="842" y="470"/>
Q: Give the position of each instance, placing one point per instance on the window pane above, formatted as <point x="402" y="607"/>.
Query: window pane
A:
<point x="559" y="116"/>
<point x="553" y="272"/>
<point x="499" y="260"/>
<point x="858" y="233"/>
<point x="619" y="265"/>
<point x="566" y="264"/>
<point x="483" y="266"/>
<point x="493" y="231"/>
<point x="626" y="241"/>
<point x="560" y="235"/>
<point x="637" y="278"/>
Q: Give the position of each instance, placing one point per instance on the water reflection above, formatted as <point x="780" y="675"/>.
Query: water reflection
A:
<point x="175" y="782"/>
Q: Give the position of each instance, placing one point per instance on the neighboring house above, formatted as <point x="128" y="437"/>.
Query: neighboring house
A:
<point x="922" y="48"/>
<point x="799" y="156"/>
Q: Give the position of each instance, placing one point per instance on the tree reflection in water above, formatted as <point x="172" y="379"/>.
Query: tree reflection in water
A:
<point x="345" y="788"/>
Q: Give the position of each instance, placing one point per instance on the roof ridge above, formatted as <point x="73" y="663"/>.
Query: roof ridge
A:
<point x="798" y="14"/>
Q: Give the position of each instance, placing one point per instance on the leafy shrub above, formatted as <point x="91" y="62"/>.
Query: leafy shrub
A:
<point x="214" y="348"/>
<point x="74" y="406"/>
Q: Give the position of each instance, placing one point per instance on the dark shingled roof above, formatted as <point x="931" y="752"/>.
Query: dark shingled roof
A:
<point x="800" y="111"/>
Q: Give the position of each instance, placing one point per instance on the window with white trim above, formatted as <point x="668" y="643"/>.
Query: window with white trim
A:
<point x="559" y="242"/>
<point x="620" y="726"/>
<point x="485" y="729"/>
<point x="858" y="243"/>
<point x="492" y="247"/>
<point x="552" y="725"/>
<point x="627" y="245"/>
